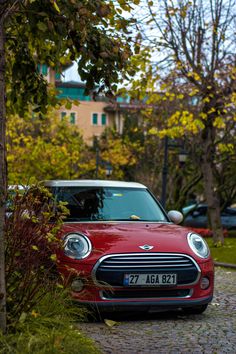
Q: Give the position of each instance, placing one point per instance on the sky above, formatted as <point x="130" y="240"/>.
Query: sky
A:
<point x="71" y="74"/>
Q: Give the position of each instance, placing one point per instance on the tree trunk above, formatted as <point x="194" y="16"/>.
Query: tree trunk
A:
<point x="210" y="193"/>
<point x="3" y="179"/>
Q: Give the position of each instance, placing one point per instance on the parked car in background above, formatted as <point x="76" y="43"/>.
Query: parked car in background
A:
<point x="123" y="251"/>
<point x="12" y="191"/>
<point x="196" y="216"/>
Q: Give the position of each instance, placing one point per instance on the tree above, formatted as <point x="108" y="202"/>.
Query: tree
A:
<point x="45" y="148"/>
<point x="195" y="49"/>
<point x="53" y="32"/>
<point x="117" y="151"/>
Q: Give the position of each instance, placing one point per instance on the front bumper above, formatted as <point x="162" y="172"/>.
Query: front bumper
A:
<point x="144" y="306"/>
<point x="117" y="297"/>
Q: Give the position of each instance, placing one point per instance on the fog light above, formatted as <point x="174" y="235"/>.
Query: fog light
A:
<point x="77" y="285"/>
<point x="205" y="282"/>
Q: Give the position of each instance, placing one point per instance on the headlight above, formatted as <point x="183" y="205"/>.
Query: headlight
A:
<point x="77" y="246"/>
<point x="198" y="245"/>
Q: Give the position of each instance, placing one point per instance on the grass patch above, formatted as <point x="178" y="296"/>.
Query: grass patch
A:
<point x="226" y="253"/>
<point x="50" y="328"/>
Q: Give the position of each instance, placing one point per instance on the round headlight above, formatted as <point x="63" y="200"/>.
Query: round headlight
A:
<point x="77" y="246"/>
<point x="198" y="245"/>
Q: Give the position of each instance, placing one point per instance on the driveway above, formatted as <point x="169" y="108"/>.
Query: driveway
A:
<point x="212" y="332"/>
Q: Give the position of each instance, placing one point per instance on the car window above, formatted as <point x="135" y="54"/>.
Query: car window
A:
<point x="108" y="203"/>
<point x="229" y="212"/>
<point x="201" y="210"/>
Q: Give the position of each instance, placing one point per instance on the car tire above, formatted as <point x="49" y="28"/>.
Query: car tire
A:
<point x="196" y="310"/>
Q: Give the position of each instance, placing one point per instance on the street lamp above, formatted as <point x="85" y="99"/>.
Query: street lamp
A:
<point x="96" y="146"/>
<point x="164" y="172"/>
<point x="108" y="169"/>
<point x="182" y="159"/>
<point x="99" y="162"/>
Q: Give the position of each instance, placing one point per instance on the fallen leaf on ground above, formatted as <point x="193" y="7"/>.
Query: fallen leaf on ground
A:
<point x="110" y="323"/>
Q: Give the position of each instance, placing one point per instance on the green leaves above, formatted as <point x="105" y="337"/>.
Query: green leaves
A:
<point x="42" y="26"/>
<point x="53" y="32"/>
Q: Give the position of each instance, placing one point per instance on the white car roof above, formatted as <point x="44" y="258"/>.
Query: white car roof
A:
<point x="92" y="183"/>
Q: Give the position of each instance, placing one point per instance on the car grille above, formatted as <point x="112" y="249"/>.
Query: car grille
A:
<point x="146" y="261"/>
<point x="111" y="269"/>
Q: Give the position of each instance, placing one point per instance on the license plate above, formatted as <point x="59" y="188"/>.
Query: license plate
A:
<point x="150" y="279"/>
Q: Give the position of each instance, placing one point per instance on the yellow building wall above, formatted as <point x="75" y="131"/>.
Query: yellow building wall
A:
<point x="84" y="118"/>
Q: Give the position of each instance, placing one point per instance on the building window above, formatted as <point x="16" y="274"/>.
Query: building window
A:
<point x="95" y="119"/>
<point x="63" y="115"/>
<point x="104" y="119"/>
<point x="72" y="118"/>
<point x="57" y="76"/>
<point x="44" y="69"/>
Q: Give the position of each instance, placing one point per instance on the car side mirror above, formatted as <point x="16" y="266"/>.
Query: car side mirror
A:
<point x="175" y="216"/>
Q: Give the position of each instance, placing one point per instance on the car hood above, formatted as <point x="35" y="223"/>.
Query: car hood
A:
<point x="110" y="238"/>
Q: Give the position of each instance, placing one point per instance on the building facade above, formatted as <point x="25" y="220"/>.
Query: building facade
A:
<point x="91" y="115"/>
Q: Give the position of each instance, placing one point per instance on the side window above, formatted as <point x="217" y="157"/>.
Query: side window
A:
<point x="202" y="211"/>
<point x="44" y="70"/>
<point x="63" y="115"/>
<point x="104" y="119"/>
<point x="95" y="119"/>
<point x="72" y="118"/>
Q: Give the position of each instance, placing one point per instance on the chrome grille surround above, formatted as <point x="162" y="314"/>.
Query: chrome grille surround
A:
<point x="141" y="261"/>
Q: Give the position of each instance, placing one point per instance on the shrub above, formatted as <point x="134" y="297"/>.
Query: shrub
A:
<point x="207" y="232"/>
<point x="30" y="245"/>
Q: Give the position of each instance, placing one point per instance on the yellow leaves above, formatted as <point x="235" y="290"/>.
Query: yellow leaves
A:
<point x="203" y="115"/>
<point x="206" y="100"/>
<point x="219" y="123"/>
<point x="153" y="131"/>
<point x="194" y="75"/>
<point x="163" y="86"/>
<point x="233" y="97"/>
<point x="53" y="257"/>
<point x="199" y="124"/>
<point x="194" y="92"/>
<point x="35" y="314"/>
<point x="226" y="148"/>
<point x="50" y="237"/>
<point x="181" y="123"/>
<point x="212" y="110"/>
<point x="110" y="323"/>
<point x="35" y="248"/>
<point x="164" y="132"/>
<point x="54" y="3"/>
<point x="170" y="96"/>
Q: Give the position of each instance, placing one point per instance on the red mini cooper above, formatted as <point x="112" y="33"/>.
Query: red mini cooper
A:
<point x="122" y="251"/>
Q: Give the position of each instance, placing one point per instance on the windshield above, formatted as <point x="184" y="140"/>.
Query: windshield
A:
<point x="109" y="204"/>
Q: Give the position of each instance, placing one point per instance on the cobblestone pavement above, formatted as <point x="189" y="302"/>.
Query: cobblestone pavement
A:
<point x="214" y="331"/>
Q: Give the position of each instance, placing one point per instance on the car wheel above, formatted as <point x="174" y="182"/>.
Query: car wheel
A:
<point x="196" y="310"/>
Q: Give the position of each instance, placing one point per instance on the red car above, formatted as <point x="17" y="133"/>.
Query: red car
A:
<point x="122" y="251"/>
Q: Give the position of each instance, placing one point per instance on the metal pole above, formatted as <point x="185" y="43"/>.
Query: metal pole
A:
<point x="164" y="173"/>
<point x="97" y="161"/>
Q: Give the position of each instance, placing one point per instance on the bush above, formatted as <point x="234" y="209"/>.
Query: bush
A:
<point x="30" y="250"/>
<point x="207" y="232"/>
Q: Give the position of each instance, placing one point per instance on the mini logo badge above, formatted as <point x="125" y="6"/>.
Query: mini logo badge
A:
<point x="146" y="247"/>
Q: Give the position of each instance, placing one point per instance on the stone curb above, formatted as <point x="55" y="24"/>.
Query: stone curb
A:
<point x="226" y="265"/>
